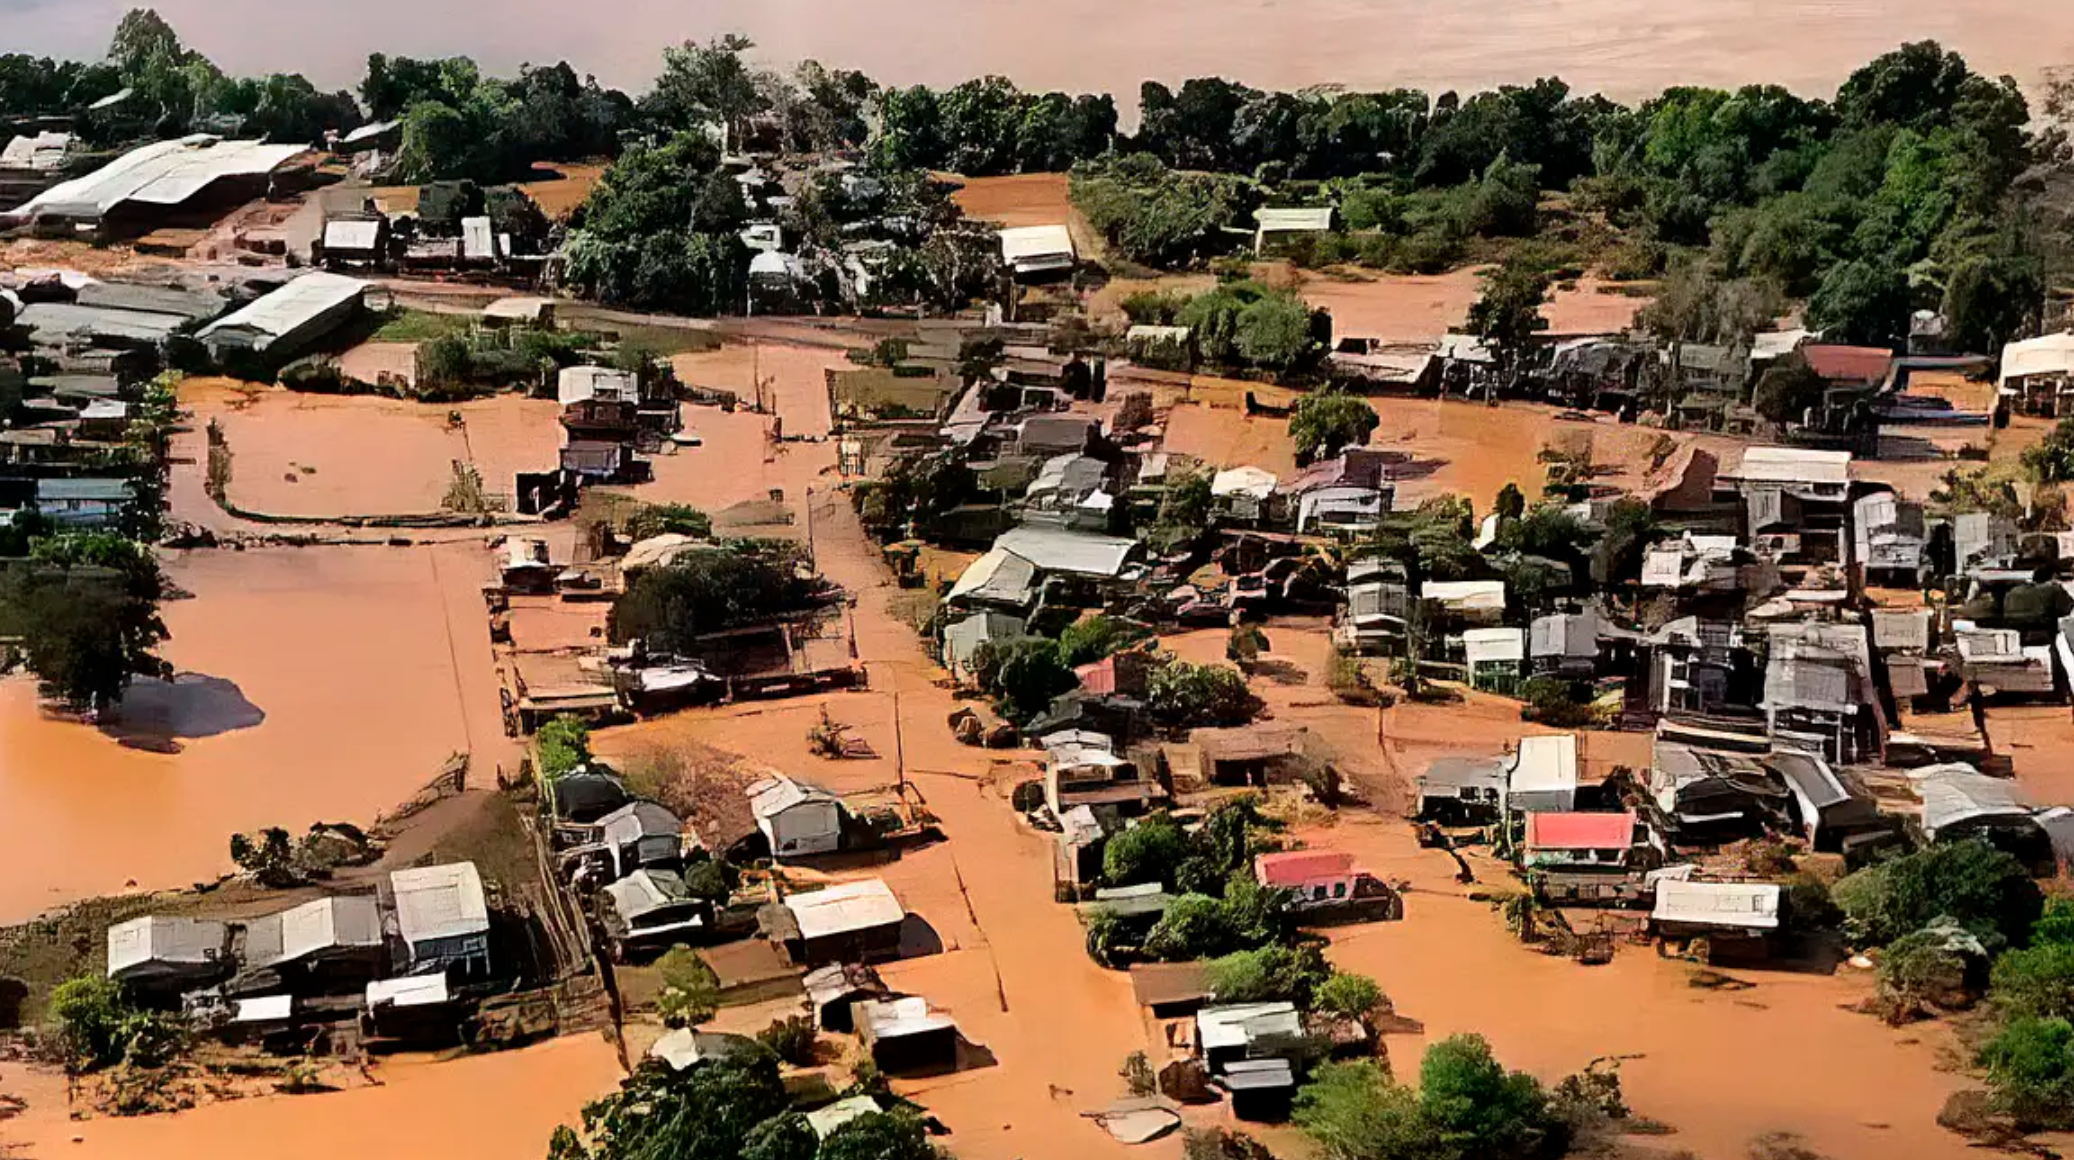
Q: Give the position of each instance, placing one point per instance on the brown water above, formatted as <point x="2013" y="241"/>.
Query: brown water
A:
<point x="1625" y="47"/>
<point x="318" y="684"/>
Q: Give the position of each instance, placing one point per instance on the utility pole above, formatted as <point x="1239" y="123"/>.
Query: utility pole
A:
<point x="899" y="747"/>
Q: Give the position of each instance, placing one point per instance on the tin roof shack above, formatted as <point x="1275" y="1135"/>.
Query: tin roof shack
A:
<point x="181" y="181"/>
<point x="1467" y="603"/>
<point x="1999" y="662"/>
<point x="999" y="579"/>
<point x="1819" y="693"/>
<point x="602" y="421"/>
<point x="82" y="503"/>
<point x="321" y="946"/>
<point x="587" y="796"/>
<point x="963" y="636"/>
<point x="904" y="1036"/>
<point x="1714" y="796"/>
<point x="651" y="910"/>
<point x="354" y="240"/>
<point x="1903" y="639"/>
<point x="1232" y="1032"/>
<point x="1036" y="252"/>
<point x="1890" y="536"/>
<point x="2038" y="375"/>
<point x="1261" y="1090"/>
<point x="1272" y="225"/>
<point x="1737" y="919"/>
<point x="1565" y="644"/>
<point x="1240" y="496"/>
<point x="412" y="1008"/>
<point x="1377" y="608"/>
<point x="1494" y="658"/>
<point x="443" y="919"/>
<point x="286" y="322"/>
<point x="1586" y="858"/>
<point x="1463" y="791"/>
<point x="1325" y="886"/>
<point x="834" y="989"/>
<point x="527" y="566"/>
<point x="1830" y="805"/>
<point x="847" y="922"/>
<point x="796" y="819"/>
<point x="641" y="835"/>
<point x="1171" y="990"/>
<point x="690" y="1047"/>
<point x="1796" y="502"/>
<point x="1543" y="775"/>
<point x="1099" y="561"/>
<point x="1084" y="769"/>
<point x="158" y="958"/>
<point x="1961" y="802"/>
<point x="581" y="384"/>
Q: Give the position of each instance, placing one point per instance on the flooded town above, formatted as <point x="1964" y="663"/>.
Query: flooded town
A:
<point x="774" y="614"/>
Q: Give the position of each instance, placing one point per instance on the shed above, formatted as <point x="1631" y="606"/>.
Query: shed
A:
<point x="411" y="1006"/>
<point x="1035" y="250"/>
<point x="1261" y="1090"/>
<point x="156" y="952"/>
<point x="1544" y="774"/>
<point x="1274" y="221"/>
<point x="796" y="819"/>
<point x="1000" y="577"/>
<point x="289" y="319"/>
<point x="587" y="795"/>
<point x="642" y="835"/>
<point x="904" y="1035"/>
<point x="1072" y="553"/>
<point x="687" y="1047"/>
<point x="1687" y="907"/>
<point x="1239" y="1031"/>
<point x="1310" y="876"/>
<point x="963" y="637"/>
<point x="650" y="909"/>
<point x="161" y="175"/>
<point x="343" y="929"/>
<point x="579" y="384"/>
<point x="1171" y="990"/>
<point x="1463" y="790"/>
<point x="848" y="922"/>
<point x="1958" y="799"/>
<point x="442" y="917"/>
<point x="1494" y="655"/>
<point x="831" y="991"/>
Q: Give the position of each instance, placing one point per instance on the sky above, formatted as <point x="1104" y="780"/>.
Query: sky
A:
<point x="1625" y="48"/>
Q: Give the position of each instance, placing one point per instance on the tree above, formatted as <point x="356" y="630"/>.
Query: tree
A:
<point x="896" y="1135"/>
<point x="1985" y="890"/>
<point x="1785" y="393"/>
<point x="782" y="1137"/>
<point x="563" y="745"/>
<point x="700" y="1113"/>
<point x="1090" y="639"/>
<point x="2030" y="1065"/>
<point x="93" y="1019"/>
<point x="1329" y="421"/>
<point x="2036" y="982"/>
<point x="690" y="993"/>
<point x="1184" y="511"/>
<point x="1862" y="302"/>
<point x="85" y="606"/>
<point x="1477" y="1108"/>
<point x="1150" y="851"/>
<point x="707" y="83"/>
<point x="1268" y="974"/>
<point x="660" y="519"/>
<point x="1275" y="332"/>
<point x="1195" y="926"/>
<point x="1511" y="503"/>
<point x="1023" y="675"/>
<point x="741" y="582"/>
<point x="1349" y="996"/>
<point x="1353" y="1111"/>
<point x="1507" y="315"/>
<point x="1185" y="695"/>
<point x="791" y="1039"/>
<point x="2051" y="459"/>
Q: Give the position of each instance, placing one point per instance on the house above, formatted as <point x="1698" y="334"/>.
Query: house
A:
<point x="1227" y="1033"/>
<point x="1255" y="755"/>
<point x="1830" y="806"/>
<point x="1819" y="695"/>
<point x="642" y="835"/>
<point x="796" y="819"/>
<point x="290" y="320"/>
<point x="1475" y="602"/>
<point x="1036" y="251"/>
<point x="1997" y="660"/>
<point x="1463" y="790"/>
<point x="1798" y="494"/>
<point x="964" y="636"/>
<point x="831" y="990"/>
<point x="688" y="1047"/>
<point x="1326" y="885"/>
<point x="167" y="956"/>
<point x="1707" y="793"/>
<point x="526" y="566"/>
<point x="847" y="922"/>
<point x="1543" y="775"/>
<point x="139" y="189"/>
<point x="412" y="1008"/>
<point x="596" y="459"/>
<point x="336" y="938"/>
<point x="1048" y="435"/>
<point x="1083" y="769"/>
<point x="1961" y="802"/>
<point x="1848" y="366"/>
<point x="579" y="384"/>
<point x="1375" y="614"/>
<point x="442" y="918"/>
<point x="904" y="1035"/>
<point x="1494" y="657"/>
<point x="587" y="795"/>
<point x="1261" y="1090"/>
<point x="651" y="910"/>
<point x="82" y="503"/>
<point x="1740" y="914"/>
<point x="1574" y="842"/>
<point x="1240" y="495"/>
<point x="359" y="240"/>
<point x="1889" y="536"/>
<point x="1341" y="511"/>
<point x="1054" y="551"/>
<point x="1565" y="644"/>
<point x="602" y="420"/>
<point x="1276" y="224"/>
<point x="2038" y="374"/>
<point x="1171" y="990"/>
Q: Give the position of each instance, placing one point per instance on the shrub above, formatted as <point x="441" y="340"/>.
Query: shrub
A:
<point x="1185" y="695"/>
<point x="1348" y="996"/>
<point x="791" y="1039"/>
<point x="1269" y="974"/>
<point x="2030" y="1065"/>
<point x="690" y="993"/>
<point x="1195" y="926"/>
<point x="1985" y="890"/>
<point x="1147" y="852"/>
<point x="563" y="745"/>
<point x="92" y="1018"/>
<point x="658" y="519"/>
<point x="2036" y="983"/>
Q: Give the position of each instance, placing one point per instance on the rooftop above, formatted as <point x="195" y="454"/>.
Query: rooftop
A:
<point x="346" y="920"/>
<point x="439" y="902"/>
<point x="161" y="173"/>
<point x="1545" y="764"/>
<point x="773" y="796"/>
<point x="1751" y="905"/>
<point x="293" y="306"/>
<point x="1054" y="550"/>
<point x="1031" y="243"/>
<point x="1239" y="1024"/>
<point x="1558" y="831"/>
<point x="895" y="1018"/>
<point x="1793" y="465"/>
<point x="2050" y="354"/>
<point x="157" y="939"/>
<point x="1292" y="868"/>
<point x="1848" y="364"/>
<point x="1000" y="575"/>
<point x="1294" y="218"/>
<point x="845" y="907"/>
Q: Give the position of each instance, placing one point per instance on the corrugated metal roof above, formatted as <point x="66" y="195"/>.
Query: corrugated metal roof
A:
<point x="83" y="490"/>
<point x="844" y="908"/>
<point x="158" y="939"/>
<point x="1493" y="645"/>
<point x="646" y="891"/>
<point x="578" y="384"/>
<point x="1293" y="219"/>
<point x="1956" y="793"/>
<point x="1239" y="1024"/>
<point x="1749" y="905"/>
<point x="898" y="1018"/>
<point x="293" y="306"/>
<point x="999" y="575"/>
<point x="1290" y="868"/>
<point x="53" y="323"/>
<point x="2050" y="354"/>
<point x="1026" y="244"/>
<point x="773" y="796"/>
<point x="439" y="902"/>
<point x="352" y="234"/>
<point x="161" y="173"/>
<point x="1053" y="550"/>
<point x="1546" y="765"/>
<point x="320" y="925"/>
<point x="1794" y="465"/>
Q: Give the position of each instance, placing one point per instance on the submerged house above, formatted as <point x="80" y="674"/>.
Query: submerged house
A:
<point x="1543" y="776"/>
<point x="651" y="909"/>
<point x="336" y="939"/>
<point x="847" y="922"/>
<point x="796" y="819"/>
<point x="1464" y="790"/>
<point x="287" y="322"/>
<point x="1573" y="841"/>
<point x="904" y="1035"/>
<point x="1819" y="693"/>
<point x="1740" y="914"/>
<point x="443" y="919"/>
<point x="166" y="956"/>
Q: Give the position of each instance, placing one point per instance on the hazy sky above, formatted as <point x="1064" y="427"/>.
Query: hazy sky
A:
<point x="1627" y="48"/>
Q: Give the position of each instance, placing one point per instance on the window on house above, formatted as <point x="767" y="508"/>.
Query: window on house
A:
<point x="1339" y="890"/>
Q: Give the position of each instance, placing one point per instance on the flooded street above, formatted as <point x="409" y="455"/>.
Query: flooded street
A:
<point x="316" y="684"/>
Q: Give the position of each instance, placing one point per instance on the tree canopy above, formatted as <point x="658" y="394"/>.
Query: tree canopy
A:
<point x="85" y="606"/>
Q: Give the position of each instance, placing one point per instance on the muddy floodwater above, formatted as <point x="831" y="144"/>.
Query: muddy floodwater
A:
<point x="315" y="684"/>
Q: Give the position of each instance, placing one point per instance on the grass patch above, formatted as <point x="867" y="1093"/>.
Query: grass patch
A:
<point x="420" y="326"/>
<point x="38" y="955"/>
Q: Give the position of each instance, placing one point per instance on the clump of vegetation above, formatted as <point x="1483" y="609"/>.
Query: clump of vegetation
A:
<point x="1466" y="1106"/>
<point x="84" y="608"/>
<point x="659" y="519"/>
<point x="99" y="1027"/>
<point x="1269" y="974"/>
<point x="1984" y="890"/>
<point x="1184" y="695"/>
<point x="690" y="993"/>
<point x="1329" y="421"/>
<point x="562" y="746"/>
<point x="790" y="1039"/>
<point x="669" y="607"/>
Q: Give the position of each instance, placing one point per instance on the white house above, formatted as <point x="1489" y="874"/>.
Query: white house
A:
<point x="796" y="819"/>
<point x="1544" y="774"/>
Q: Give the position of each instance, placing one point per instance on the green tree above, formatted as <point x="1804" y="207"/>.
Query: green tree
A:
<point x="1784" y="393"/>
<point x="659" y="1113"/>
<point x="1479" y="1109"/>
<point x="741" y="582"/>
<point x="2051" y="459"/>
<point x="1275" y="332"/>
<point x="1985" y="890"/>
<point x="782" y="1137"/>
<point x="707" y="83"/>
<point x="1329" y="421"/>
<point x="895" y="1135"/>
<point x="690" y="993"/>
<point x="564" y="746"/>
<point x="1861" y="302"/>
<point x="92" y="1018"/>
<point x="659" y="519"/>
<point x="1023" y="675"/>
<point x="1991" y="300"/>
<point x="1507" y="315"/>
<point x="1268" y="974"/>
<point x="1089" y="639"/>
<point x="1195" y="926"/>
<point x="85" y="607"/>
<point x="1150" y="851"/>
<point x="2030" y="1065"/>
<point x="1349" y="996"/>
<point x="1353" y="1111"/>
<point x="1185" y="695"/>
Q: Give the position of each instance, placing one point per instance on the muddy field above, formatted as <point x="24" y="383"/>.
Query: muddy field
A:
<point x="315" y="684"/>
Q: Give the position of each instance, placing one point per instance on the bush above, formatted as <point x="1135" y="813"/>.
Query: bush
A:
<point x="1195" y="926"/>
<point x="1269" y="974"/>
<point x="690" y="993"/>
<point x="93" y="1019"/>
<point x="1184" y="695"/>
<point x="1349" y="996"/>
<point x="2030" y="1065"/>
<point x="1150" y="851"/>
<point x="791" y="1039"/>
<point x="659" y="519"/>
<point x="1985" y="890"/>
<point x="1922" y="971"/>
<point x="564" y="746"/>
<point x="1326" y="422"/>
<point x="1087" y="641"/>
<point x="2036" y="983"/>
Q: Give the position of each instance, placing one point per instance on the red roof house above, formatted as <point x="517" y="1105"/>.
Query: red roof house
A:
<point x="1553" y="831"/>
<point x="1301" y="869"/>
<point x="1848" y="364"/>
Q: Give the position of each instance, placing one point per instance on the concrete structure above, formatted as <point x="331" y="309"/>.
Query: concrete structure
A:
<point x="904" y="1035"/>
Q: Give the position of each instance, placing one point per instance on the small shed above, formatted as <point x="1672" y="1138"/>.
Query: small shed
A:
<point x="1463" y="790"/>
<point x="1272" y="223"/>
<point x="1544" y="774"/>
<point x="443" y="918"/>
<point x="688" y="1047"/>
<point x="587" y="796"/>
<point x="341" y="935"/>
<point x="1309" y="875"/>
<point x="1261" y="1090"/>
<point x="904" y="1035"/>
<point x="1735" y="910"/>
<point x="796" y="819"/>
<point x="1241" y="1031"/>
<point x="578" y="384"/>
<point x="411" y="1007"/>
<point x="652" y="909"/>
<point x="156" y="953"/>
<point x="1495" y="657"/>
<point x="642" y="835"/>
<point x="833" y="989"/>
<point x="1034" y="251"/>
<point x="848" y="922"/>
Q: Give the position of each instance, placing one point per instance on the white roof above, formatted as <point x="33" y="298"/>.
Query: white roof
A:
<point x="1468" y="595"/>
<point x="1776" y="343"/>
<point x="44" y="151"/>
<point x="1494" y="644"/>
<point x="1256" y="482"/>
<point x="1054" y="550"/>
<point x="577" y="384"/>
<point x="1239" y="1024"/>
<point x="999" y="574"/>
<point x="522" y="308"/>
<point x="771" y="263"/>
<point x="835" y="1115"/>
<point x="1956" y="792"/>
<point x="435" y="902"/>
<point x="262" y="1009"/>
<point x="849" y="906"/>
<point x="156" y="939"/>
<point x="347" y="920"/>
<point x="283" y="311"/>
<point x="352" y="233"/>
<point x="1546" y="764"/>
<point x="773" y="796"/>
<point x="2050" y="354"/>
<point x="1464" y="348"/>
<point x="1794" y="465"/>
<point x="892" y="1018"/>
<point x="1753" y="905"/>
<point x="161" y="173"/>
<point x="371" y="129"/>
<point x="688" y="1045"/>
<point x="1146" y="333"/>
<point x="1293" y="218"/>
<point x="1036" y="243"/>
<point x="408" y="991"/>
